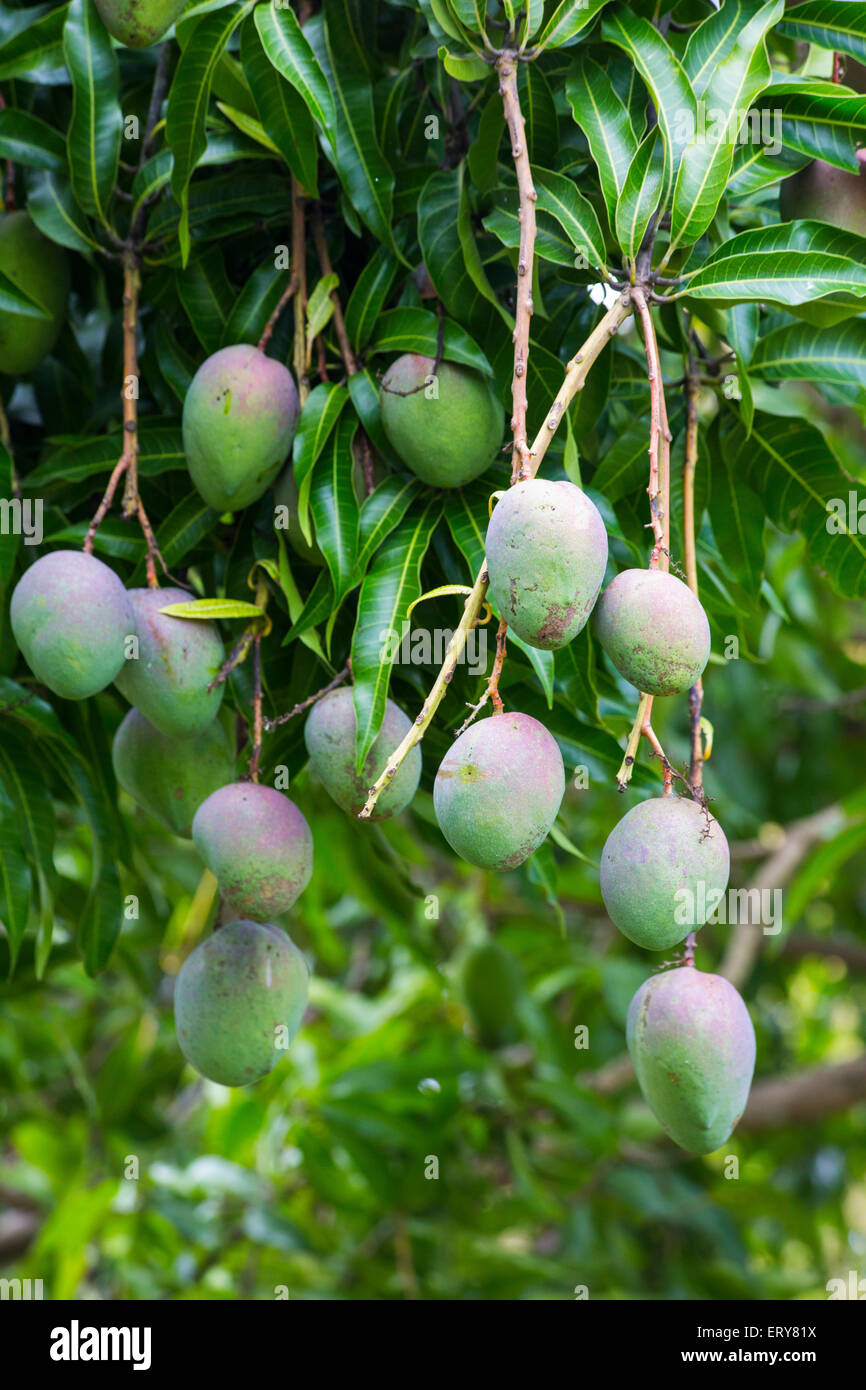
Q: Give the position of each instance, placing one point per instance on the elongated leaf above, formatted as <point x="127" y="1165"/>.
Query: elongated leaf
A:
<point x="335" y="507"/>
<point x="206" y="295"/>
<point x="38" y="48"/>
<point x="14" y="300"/>
<point x="551" y="243"/>
<point x="290" y="52"/>
<point x="160" y="450"/>
<point x="16" y="883"/>
<point x="604" y="120"/>
<point x="441" y="247"/>
<point x="96" y="127"/>
<point x="566" y="22"/>
<point x="816" y="118"/>
<point x="34" y="815"/>
<point x="25" y="139"/>
<point x="793" y="263"/>
<point x="369" y="296"/>
<point x="381" y="511"/>
<point x="641" y="193"/>
<point x="322" y="410"/>
<point x="801" y="352"/>
<point x="255" y="304"/>
<point x="558" y="195"/>
<point x="737" y="515"/>
<point x="282" y="109"/>
<point x="186" y="525"/>
<point x="417" y="330"/>
<point x="464" y="68"/>
<point x="538" y="108"/>
<point x="834" y="24"/>
<point x="212" y="609"/>
<point x="57" y="215"/>
<point x="392" y="583"/>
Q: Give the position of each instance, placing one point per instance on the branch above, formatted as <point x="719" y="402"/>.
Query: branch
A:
<point x="696" y="694"/>
<point x="327" y="269"/>
<point x="805" y="1097"/>
<point x="506" y="67"/>
<point x="660" y="440"/>
<point x="299" y="262"/>
<point x="338" y="680"/>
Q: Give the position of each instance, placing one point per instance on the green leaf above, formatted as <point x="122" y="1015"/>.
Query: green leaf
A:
<point x="57" y="215"/>
<point x="822" y="867"/>
<point x="833" y="24"/>
<point x="186" y="115"/>
<point x="211" y="609"/>
<point x="35" y="49"/>
<point x="737" y="515"/>
<point x="801" y="352"/>
<point x="96" y="127"/>
<point x="624" y="465"/>
<point x="160" y="449"/>
<point x="567" y="21"/>
<point x="186" y="525"/>
<point x="641" y="193"/>
<point x="14" y="300"/>
<point x="464" y="68"/>
<point x="322" y="410"/>
<point x="392" y="583"/>
<point x="25" y="139"/>
<point x="794" y="263"/>
<point x="819" y="119"/>
<point x="483" y="154"/>
<point x="283" y="112"/>
<point x="34" y="815"/>
<point x="254" y="305"/>
<point x="444" y="256"/>
<point x="417" y="330"/>
<point x="289" y="50"/>
<point x="205" y="292"/>
<point x="320" y="306"/>
<point x="16" y="883"/>
<point x="558" y="195"/>
<point x="369" y="296"/>
<point x="538" y="107"/>
<point x="381" y="511"/>
<point x="335" y="507"/>
<point x="604" y="120"/>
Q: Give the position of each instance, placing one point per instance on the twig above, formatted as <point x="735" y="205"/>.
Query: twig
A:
<point x="491" y="690"/>
<point x="506" y="67"/>
<point x="255" y="759"/>
<point x="696" y="694"/>
<point x="658" y="489"/>
<point x="339" y="679"/>
<point x="299" y="262"/>
<point x="327" y="269"/>
<point x="283" y="300"/>
<point x="642" y="727"/>
<point x="236" y="656"/>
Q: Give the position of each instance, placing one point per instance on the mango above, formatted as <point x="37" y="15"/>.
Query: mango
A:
<point x="258" y="846"/>
<point x="654" y="630"/>
<point x="38" y="267"/>
<point x="71" y="617"/>
<point x="177" y="659"/>
<point x="492" y="983"/>
<point x="664" y="868"/>
<point x="239" y="419"/>
<point x="498" y="790"/>
<point x="170" y="777"/>
<point x="330" y="738"/>
<point x="546" y="557"/>
<point x="448" y="431"/>
<point x="239" y="1000"/>
<point x="139" y="23"/>
<point x="693" y="1047"/>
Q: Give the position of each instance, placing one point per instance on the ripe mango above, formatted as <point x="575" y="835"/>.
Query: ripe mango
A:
<point x="239" y="419"/>
<point x="693" y="1048"/>
<point x="258" y="846"/>
<point x="654" y="630"/>
<point x="38" y="267"/>
<point x="170" y="777"/>
<point x="448" y="431"/>
<point x="177" y="659"/>
<point x="139" y="23"/>
<point x="498" y="790"/>
<point x="71" y="616"/>
<point x="239" y="1000"/>
<point x="546" y="557"/>
<point x="330" y="738"/>
<point x="663" y="868"/>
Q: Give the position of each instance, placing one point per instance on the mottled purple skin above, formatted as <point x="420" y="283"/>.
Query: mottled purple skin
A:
<point x="827" y="194"/>
<point x="661" y="848"/>
<point x="693" y="1047"/>
<point x="139" y="23"/>
<point x="546" y="555"/>
<point x="498" y="790"/>
<point x="177" y="659"/>
<point x="239" y="419"/>
<point x="71" y="617"/>
<point x="170" y="777"/>
<point x="258" y="846"/>
<point x="654" y="630"/>
<point x="448" y="438"/>
<point x="239" y="1000"/>
<point x="330" y="738"/>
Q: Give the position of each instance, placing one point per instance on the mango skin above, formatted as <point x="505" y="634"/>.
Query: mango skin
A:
<point x="659" y="848"/>
<point x="40" y="268"/>
<point x="170" y="777"/>
<point x="139" y="23"/>
<point x="239" y="419"/>
<point x="330" y="738"/>
<point x="693" y="1047"/>
<point x="498" y="790"/>
<point x="546" y="557"/>
<point x="445" y="441"/>
<point x="177" y="658"/>
<point x="827" y="194"/>
<point x="492" y="983"/>
<point x="259" y="847"/>
<point x="71" y="616"/>
<point x="234" y="996"/>
<point x="654" y="630"/>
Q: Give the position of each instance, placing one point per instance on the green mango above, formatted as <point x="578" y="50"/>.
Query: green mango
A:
<point x="258" y="846"/>
<point x="448" y="432"/>
<point x="139" y="23"/>
<point x="330" y="738"/>
<point x="492" y="984"/>
<point x="498" y="790"/>
<point x="239" y="419"/>
<point x="38" y="267"/>
<point x="654" y="630"/>
<point x="546" y="556"/>
<point x="693" y="1047"/>
<point x="664" y="868"/>
<point x="177" y="659"/>
<point x="170" y="777"/>
<point x="71" y="617"/>
<point x="239" y="1000"/>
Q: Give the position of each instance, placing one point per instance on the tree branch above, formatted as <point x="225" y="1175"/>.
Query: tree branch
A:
<point x="506" y="67"/>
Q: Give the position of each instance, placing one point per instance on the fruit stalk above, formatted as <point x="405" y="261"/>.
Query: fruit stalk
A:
<point x="506" y="67"/>
<point x="658" y="489"/>
<point x="338" y="680"/>
<point x="575" y="377"/>
<point x="696" y="693"/>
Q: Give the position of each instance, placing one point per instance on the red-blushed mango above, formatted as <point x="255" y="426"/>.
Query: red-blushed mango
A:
<point x="330" y="738"/>
<point x="664" y="868"/>
<point x="38" y="267"/>
<point x="239" y="419"/>
<point x="693" y="1047"/>
<point x="447" y="431"/>
<point x="654" y="630"/>
<point x="170" y="777"/>
<point x="258" y="846"/>
<point x="71" y="617"/>
<point x="546" y="556"/>
<point x="177" y="659"/>
<point x="139" y="23"/>
<point x="827" y="194"/>
<point x="492" y="983"/>
<point x="498" y="790"/>
<point x="239" y="1000"/>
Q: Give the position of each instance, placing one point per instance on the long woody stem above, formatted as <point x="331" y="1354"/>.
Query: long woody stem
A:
<point x="506" y="66"/>
<point x="696" y="694"/>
